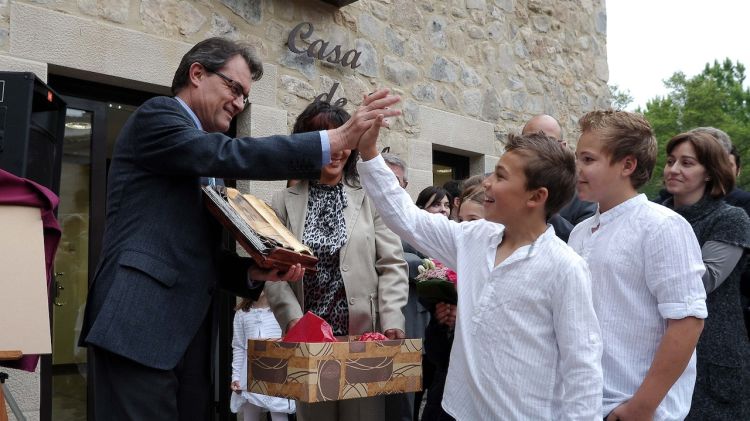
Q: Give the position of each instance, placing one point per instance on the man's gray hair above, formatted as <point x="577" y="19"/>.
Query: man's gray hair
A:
<point x="213" y="54"/>
<point x="720" y="135"/>
<point x="392" y="159"/>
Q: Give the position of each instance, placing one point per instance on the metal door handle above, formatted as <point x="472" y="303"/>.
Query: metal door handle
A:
<point x="58" y="287"/>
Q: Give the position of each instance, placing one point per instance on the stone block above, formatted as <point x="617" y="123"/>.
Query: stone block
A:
<point x="443" y="70"/>
<point x="370" y="27"/>
<point x="449" y="99"/>
<point x="264" y="190"/>
<point x="297" y="87"/>
<point x="222" y="27"/>
<point x="259" y="120"/>
<point x="394" y="42"/>
<point x="469" y="76"/>
<point x="369" y="58"/>
<point x="472" y="101"/>
<point x="482" y="164"/>
<point x="420" y="154"/>
<point x="263" y="92"/>
<point x="456" y="131"/>
<point x="15" y="64"/>
<point x="249" y="10"/>
<point x="169" y="17"/>
<point x="418" y="180"/>
<point x="300" y="62"/>
<point x="399" y="72"/>
<point x="425" y="92"/>
<point x="82" y="44"/>
<point x="476" y="4"/>
<point x="436" y="32"/>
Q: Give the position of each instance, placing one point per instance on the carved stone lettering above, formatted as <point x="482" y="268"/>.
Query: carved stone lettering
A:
<point x="318" y="49"/>
<point x="303" y="35"/>
<point x="335" y="59"/>
<point x="318" y="44"/>
<point x="328" y="96"/>
<point x="351" y="61"/>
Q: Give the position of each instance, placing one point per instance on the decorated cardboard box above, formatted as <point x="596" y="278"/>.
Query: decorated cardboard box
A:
<point x="328" y="371"/>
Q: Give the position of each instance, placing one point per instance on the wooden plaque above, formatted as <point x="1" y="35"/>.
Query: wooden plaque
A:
<point x="257" y="229"/>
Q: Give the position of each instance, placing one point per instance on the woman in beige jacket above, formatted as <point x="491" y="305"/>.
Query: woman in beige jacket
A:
<point x="361" y="284"/>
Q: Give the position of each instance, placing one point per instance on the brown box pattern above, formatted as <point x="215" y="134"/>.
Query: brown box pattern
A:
<point x="316" y="372"/>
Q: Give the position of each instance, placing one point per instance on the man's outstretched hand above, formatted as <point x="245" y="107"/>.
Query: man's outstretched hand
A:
<point x="294" y="273"/>
<point x="378" y="103"/>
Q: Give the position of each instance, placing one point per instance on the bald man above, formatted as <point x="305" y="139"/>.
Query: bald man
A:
<point x="546" y="124"/>
<point x="577" y="210"/>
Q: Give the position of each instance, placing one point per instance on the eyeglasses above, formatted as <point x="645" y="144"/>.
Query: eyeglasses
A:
<point x="237" y="90"/>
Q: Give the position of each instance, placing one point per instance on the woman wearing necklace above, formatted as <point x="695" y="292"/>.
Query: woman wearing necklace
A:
<point x="698" y="176"/>
<point x="361" y="284"/>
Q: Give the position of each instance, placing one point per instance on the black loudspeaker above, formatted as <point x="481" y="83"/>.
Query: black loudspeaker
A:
<point x="32" y="128"/>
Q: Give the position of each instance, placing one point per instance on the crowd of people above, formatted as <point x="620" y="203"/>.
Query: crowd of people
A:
<point x="578" y="298"/>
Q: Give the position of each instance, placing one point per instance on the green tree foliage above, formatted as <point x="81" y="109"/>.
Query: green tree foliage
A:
<point x="620" y="99"/>
<point x="715" y="97"/>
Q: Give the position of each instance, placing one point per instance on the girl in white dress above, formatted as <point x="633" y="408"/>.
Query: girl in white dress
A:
<point x="254" y="319"/>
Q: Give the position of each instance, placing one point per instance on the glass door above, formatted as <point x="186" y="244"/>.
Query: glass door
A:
<point x="84" y="127"/>
<point x="91" y="128"/>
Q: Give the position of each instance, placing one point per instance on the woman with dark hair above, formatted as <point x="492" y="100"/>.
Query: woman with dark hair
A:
<point x="361" y="280"/>
<point x="698" y="175"/>
<point x="434" y="199"/>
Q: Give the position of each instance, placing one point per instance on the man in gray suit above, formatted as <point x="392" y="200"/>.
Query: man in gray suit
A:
<point x="147" y="318"/>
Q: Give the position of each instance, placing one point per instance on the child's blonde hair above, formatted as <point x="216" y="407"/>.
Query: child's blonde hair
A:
<point x="624" y="134"/>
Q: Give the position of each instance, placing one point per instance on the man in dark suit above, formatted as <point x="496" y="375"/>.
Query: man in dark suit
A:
<point x="741" y="199"/>
<point x="147" y="318"/>
<point x="737" y="197"/>
<point x="576" y="210"/>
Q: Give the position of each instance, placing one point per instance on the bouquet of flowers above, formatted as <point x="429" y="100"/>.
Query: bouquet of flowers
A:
<point x="436" y="283"/>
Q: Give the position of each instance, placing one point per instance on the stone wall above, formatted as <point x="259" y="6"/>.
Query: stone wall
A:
<point x="469" y="71"/>
<point x="484" y="64"/>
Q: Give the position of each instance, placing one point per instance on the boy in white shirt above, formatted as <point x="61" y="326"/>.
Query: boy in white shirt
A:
<point x="646" y="272"/>
<point x="527" y="342"/>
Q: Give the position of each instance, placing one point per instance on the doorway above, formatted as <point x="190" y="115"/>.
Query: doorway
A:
<point x="90" y="130"/>
<point x="94" y="117"/>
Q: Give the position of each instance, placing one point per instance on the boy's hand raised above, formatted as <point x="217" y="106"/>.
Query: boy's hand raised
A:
<point x="368" y="143"/>
<point x="376" y="104"/>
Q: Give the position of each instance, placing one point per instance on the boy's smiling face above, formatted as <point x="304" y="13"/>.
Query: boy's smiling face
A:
<point x="505" y="193"/>
<point x="599" y="180"/>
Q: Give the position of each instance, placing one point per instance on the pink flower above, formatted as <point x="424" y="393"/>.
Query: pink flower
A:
<point x="434" y="269"/>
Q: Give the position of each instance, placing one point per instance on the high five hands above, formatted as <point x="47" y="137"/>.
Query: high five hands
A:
<point x="363" y="127"/>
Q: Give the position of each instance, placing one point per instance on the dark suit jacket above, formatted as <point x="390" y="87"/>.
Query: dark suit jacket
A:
<point x="577" y="210"/>
<point x="740" y="198"/>
<point x="562" y="226"/>
<point x="161" y="259"/>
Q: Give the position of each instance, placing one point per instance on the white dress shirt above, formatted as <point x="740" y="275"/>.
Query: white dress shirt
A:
<point x="527" y="343"/>
<point x="646" y="267"/>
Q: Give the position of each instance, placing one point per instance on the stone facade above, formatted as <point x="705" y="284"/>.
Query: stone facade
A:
<point x="469" y="71"/>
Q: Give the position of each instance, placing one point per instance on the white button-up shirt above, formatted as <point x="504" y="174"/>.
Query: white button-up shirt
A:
<point x="646" y="267"/>
<point x="527" y="344"/>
